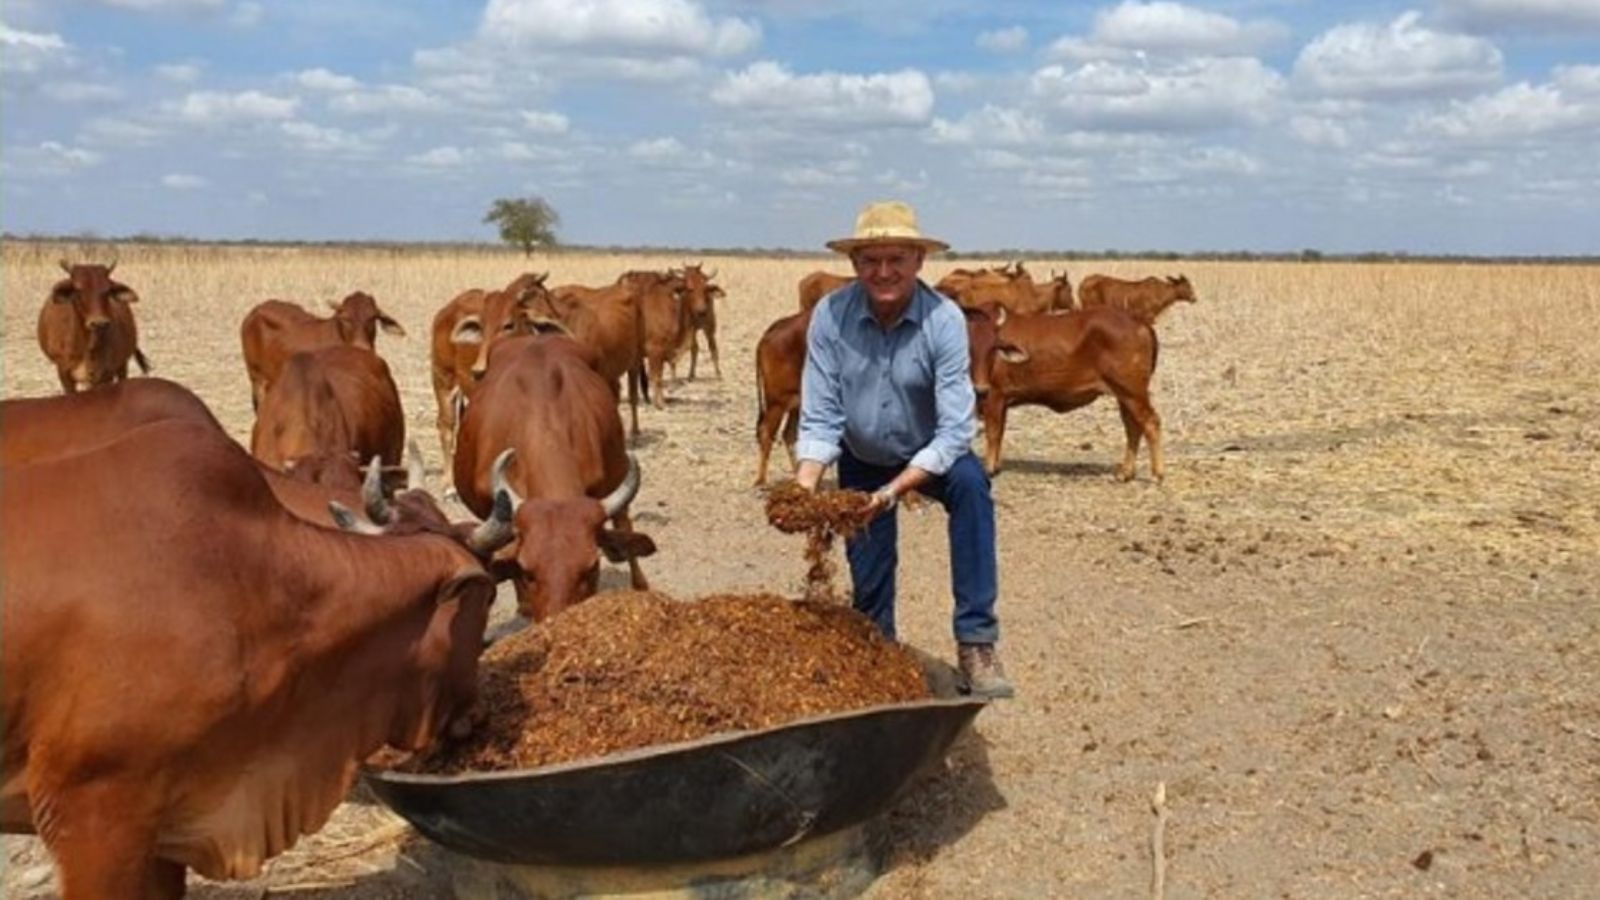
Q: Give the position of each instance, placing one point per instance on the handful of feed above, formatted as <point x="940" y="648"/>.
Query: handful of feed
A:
<point x="636" y="668"/>
<point x="821" y="515"/>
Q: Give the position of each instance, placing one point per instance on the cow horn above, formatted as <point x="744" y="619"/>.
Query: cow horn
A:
<point x="496" y="531"/>
<point x="545" y="325"/>
<point x="497" y="477"/>
<point x="349" y="521"/>
<point x="618" y="500"/>
<point x="372" y="492"/>
<point x="416" y="472"/>
<point x="111" y="267"/>
<point x="711" y="274"/>
<point x="66" y="267"/>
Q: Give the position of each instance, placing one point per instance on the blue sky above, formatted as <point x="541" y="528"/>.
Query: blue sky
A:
<point x="1456" y="126"/>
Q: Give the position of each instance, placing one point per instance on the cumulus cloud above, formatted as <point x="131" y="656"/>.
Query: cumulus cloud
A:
<point x="81" y="92"/>
<point x="29" y="52"/>
<point x="1519" y="112"/>
<point x="1164" y="26"/>
<point x="989" y="125"/>
<point x="1400" y="59"/>
<point x="182" y="182"/>
<point x="1221" y="160"/>
<point x="544" y="122"/>
<point x="1203" y="93"/>
<point x="637" y="26"/>
<point x="1319" y="132"/>
<point x="889" y="99"/>
<point x="324" y="80"/>
<point x="321" y="140"/>
<point x="1004" y="40"/>
<point x="52" y="158"/>
<point x="446" y="157"/>
<point x="1524" y="15"/>
<point x="384" y="99"/>
<point x="182" y="7"/>
<point x="657" y="149"/>
<point x="1578" y="80"/>
<point x="213" y="107"/>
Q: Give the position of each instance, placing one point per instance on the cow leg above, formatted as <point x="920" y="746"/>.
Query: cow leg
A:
<point x="633" y="404"/>
<point x="104" y="844"/>
<point x="658" y="397"/>
<point x="791" y="432"/>
<point x="766" y="431"/>
<point x="711" y="347"/>
<point x="1133" y="431"/>
<point x="623" y="522"/>
<point x="69" y="385"/>
<point x="994" y="430"/>
<point x="694" y="351"/>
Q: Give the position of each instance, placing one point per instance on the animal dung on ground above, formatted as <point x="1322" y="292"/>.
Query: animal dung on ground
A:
<point x="635" y="669"/>
<point x="821" y="515"/>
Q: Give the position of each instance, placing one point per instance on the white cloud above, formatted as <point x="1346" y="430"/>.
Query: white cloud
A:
<point x="385" y="98"/>
<point x="323" y="140"/>
<point x="181" y="182"/>
<point x="1518" y="112"/>
<point x="178" y="73"/>
<point x="324" y="80"/>
<point x="52" y="158"/>
<point x="1222" y="160"/>
<point x="517" y="151"/>
<point x="643" y="26"/>
<point x="1578" y="80"/>
<point x="208" y="107"/>
<point x="28" y="52"/>
<point x="1198" y="94"/>
<point x="1004" y="40"/>
<point x="544" y="122"/>
<point x="1163" y="26"/>
<point x="895" y="98"/>
<point x="108" y="131"/>
<point x="1319" y="132"/>
<point x="442" y="158"/>
<point x="657" y="149"/>
<point x="989" y="125"/>
<point x="1081" y="50"/>
<point x="1400" y="59"/>
<point x="247" y="15"/>
<point x="1524" y="15"/>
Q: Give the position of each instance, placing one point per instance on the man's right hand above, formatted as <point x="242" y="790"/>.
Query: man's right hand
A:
<point x="808" y="473"/>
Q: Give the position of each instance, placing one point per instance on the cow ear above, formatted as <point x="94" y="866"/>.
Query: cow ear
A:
<point x="467" y="331"/>
<point x="390" y="326"/>
<point x="1011" y="353"/>
<point x="464" y="585"/>
<point x="715" y="291"/>
<point x="124" y="294"/>
<point x="621" y="546"/>
<point x="63" y="292"/>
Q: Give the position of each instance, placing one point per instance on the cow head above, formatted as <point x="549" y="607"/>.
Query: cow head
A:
<point x="445" y="661"/>
<point x="358" y="318"/>
<point x="1060" y="287"/>
<point x="523" y="308"/>
<point x="699" y="292"/>
<point x="1182" y="291"/>
<point x="558" y="559"/>
<point x="415" y="511"/>
<point x="984" y="344"/>
<point x="93" y="294"/>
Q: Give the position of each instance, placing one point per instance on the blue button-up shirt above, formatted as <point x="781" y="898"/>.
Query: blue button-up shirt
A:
<point x="895" y="396"/>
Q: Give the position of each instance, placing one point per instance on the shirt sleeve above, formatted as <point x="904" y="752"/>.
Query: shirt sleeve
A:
<point x="822" y="416"/>
<point x="954" y="400"/>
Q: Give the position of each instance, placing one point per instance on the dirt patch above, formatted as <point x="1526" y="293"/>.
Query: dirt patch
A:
<point x="635" y="669"/>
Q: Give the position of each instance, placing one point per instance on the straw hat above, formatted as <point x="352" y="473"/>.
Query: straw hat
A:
<point x="887" y="222"/>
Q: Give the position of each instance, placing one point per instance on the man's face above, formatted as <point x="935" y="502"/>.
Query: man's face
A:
<point x="888" y="271"/>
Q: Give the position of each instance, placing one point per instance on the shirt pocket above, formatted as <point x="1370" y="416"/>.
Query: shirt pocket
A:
<point x="913" y="365"/>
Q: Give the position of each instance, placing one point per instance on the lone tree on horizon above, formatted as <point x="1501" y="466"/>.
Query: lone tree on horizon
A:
<point x="524" y="222"/>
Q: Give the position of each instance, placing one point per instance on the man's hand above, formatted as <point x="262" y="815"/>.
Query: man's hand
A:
<point x="883" y="500"/>
<point x="808" y="473"/>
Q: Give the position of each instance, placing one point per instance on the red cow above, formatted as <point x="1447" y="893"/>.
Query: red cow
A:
<point x="1146" y="299"/>
<point x="820" y="284"/>
<point x="275" y="330"/>
<point x="701" y="297"/>
<point x="330" y="407"/>
<point x="86" y="328"/>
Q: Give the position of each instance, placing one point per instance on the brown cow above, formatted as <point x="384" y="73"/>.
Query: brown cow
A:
<point x="274" y="330"/>
<point x="86" y="328"/>
<point x="820" y="284"/>
<point x="337" y="403"/>
<point x="610" y="321"/>
<point x="1012" y="288"/>
<point x="1068" y="360"/>
<point x="664" y="308"/>
<point x="1146" y="299"/>
<point x="570" y="473"/>
<point x="197" y="690"/>
<point x="701" y="298"/>
<point x="781" y="358"/>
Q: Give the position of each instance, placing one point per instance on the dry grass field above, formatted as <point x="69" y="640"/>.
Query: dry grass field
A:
<point x="1356" y="632"/>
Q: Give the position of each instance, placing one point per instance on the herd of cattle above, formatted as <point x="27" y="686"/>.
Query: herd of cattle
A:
<point x="257" y="623"/>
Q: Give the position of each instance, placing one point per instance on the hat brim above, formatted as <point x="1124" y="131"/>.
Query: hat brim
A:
<point x="851" y="244"/>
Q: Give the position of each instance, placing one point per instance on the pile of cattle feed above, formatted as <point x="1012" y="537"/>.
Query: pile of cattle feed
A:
<point x="634" y="669"/>
<point x="822" y="516"/>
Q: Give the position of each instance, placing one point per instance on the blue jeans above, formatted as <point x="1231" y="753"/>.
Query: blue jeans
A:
<point x="873" y="551"/>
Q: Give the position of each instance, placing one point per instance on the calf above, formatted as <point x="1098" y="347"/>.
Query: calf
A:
<point x="701" y="296"/>
<point x="1146" y="300"/>
<point x="820" y="284"/>
<point x="197" y="688"/>
<point x="780" y="363"/>
<point x="275" y="330"/>
<point x="1066" y="361"/>
<point x="86" y="328"/>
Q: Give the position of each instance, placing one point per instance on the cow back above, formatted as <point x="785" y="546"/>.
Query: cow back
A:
<point x="335" y="402"/>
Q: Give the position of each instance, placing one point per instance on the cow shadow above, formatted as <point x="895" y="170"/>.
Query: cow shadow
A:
<point x="1067" y="469"/>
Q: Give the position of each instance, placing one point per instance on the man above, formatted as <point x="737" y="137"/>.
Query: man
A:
<point x="887" y="394"/>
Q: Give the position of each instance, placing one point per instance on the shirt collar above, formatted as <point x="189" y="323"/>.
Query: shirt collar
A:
<point x="923" y="300"/>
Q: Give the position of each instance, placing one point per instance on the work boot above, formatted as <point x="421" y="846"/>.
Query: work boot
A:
<point x="982" y="673"/>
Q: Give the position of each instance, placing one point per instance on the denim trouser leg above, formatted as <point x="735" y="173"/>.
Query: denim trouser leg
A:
<point x="872" y="551"/>
<point x="964" y="493"/>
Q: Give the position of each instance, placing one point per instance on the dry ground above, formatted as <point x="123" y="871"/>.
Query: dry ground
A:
<point x="1355" y="633"/>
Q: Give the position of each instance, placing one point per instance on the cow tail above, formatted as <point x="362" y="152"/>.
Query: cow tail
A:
<point x="1155" y="347"/>
<point x="142" y="360"/>
<point x="761" y="395"/>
